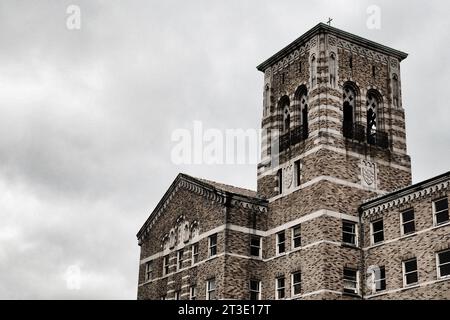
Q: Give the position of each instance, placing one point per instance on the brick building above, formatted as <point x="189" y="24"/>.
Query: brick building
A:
<point x="335" y="215"/>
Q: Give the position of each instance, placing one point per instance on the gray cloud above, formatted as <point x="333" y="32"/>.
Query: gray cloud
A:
<point x="86" y="116"/>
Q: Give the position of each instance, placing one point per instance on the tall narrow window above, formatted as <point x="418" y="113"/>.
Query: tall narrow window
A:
<point x="350" y="62"/>
<point x="296" y="283"/>
<point x="193" y="292"/>
<point x="374" y="71"/>
<point x="350" y="281"/>
<point x="166" y="265"/>
<point x="410" y="274"/>
<point x="284" y="106"/>
<point x="255" y="290"/>
<point x="211" y="289"/>
<point x="180" y="259"/>
<point x="255" y="246"/>
<point x="395" y="90"/>
<point x="266" y="100"/>
<point x="377" y="231"/>
<point x="349" y="234"/>
<point x="177" y="295"/>
<point x="443" y="264"/>
<point x="349" y="98"/>
<point x="283" y="77"/>
<point x="195" y="254"/>
<point x="149" y="271"/>
<point x="313" y="71"/>
<point x="301" y="110"/>
<point x="297" y="168"/>
<point x="332" y="71"/>
<point x="408" y="223"/>
<point x="281" y="242"/>
<point x="212" y="244"/>
<point x="440" y="210"/>
<point x="296" y="237"/>
<point x="299" y="68"/>
<point x="280" y="181"/>
<point x="379" y="279"/>
<point x="372" y="117"/>
<point x="280" y="288"/>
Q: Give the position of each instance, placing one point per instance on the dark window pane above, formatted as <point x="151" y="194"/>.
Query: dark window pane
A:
<point x="281" y="237"/>
<point x="445" y="270"/>
<point x="349" y="274"/>
<point x="378" y="237"/>
<point x="381" y="285"/>
<point x="377" y="226"/>
<point x="254" y="295"/>
<point x="297" y="277"/>
<point x="297" y="242"/>
<point x="444" y="257"/>
<point x="409" y="227"/>
<point x="408" y="215"/>
<point x="442" y="217"/>
<point x="412" y="278"/>
<point x="254" y="251"/>
<point x="441" y="205"/>
<point x="281" y="248"/>
<point x="410" y="265"/>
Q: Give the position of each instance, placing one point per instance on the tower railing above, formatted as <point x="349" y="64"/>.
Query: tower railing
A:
<point x="359" y="132"/>
<point x="293" y="136"/>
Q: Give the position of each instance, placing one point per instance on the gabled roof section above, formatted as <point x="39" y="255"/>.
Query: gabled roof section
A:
<point x="211" y="190"/>
<point x="324" y="28"/>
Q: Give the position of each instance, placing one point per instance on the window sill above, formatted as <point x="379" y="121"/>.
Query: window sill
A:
<point x="349" y="294"/>
<point x="443" y="224"/>
<point x="350" y="245"/>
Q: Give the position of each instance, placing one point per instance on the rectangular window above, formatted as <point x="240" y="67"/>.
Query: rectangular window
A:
<point x="440" y="209"/>
<point x="377" y="231"/>
<point x="408" y="223"/>
<point x="296" y="237"/>
<point x="165" y="265"/>
<point x="280" y="181"/>
<point x="193" y="292"/>
<point x="178" y="295"/>
<point x="180" y="256"/>
<point x="410" y="274"/>
<point x="296" y="283"/>
<point x="281" y="242"/>
<point x="149" y="271"/>
<point x="280" y="288"/>
<point x="380" y="279"/>
<point x="212" y="244"/>
<point x="350" y="281"/>
<point x="195" y="255"/>
<point x="443" y="263"/>
<point x="297" y="172"/>
<point x="349" y="233"/>
<point x="255" y="246"/>
<point x="211" y="289"/>
<point x="255" y="290"/>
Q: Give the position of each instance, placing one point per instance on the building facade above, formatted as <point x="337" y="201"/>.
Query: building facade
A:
<point x="334" y="216"/>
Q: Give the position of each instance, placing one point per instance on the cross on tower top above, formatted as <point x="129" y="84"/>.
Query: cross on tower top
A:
<point x="329" y="21"/>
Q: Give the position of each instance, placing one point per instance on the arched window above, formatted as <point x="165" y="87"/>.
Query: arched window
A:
<point x="284" y="106"/>
<point x="301" y="109"/>
<point x="373" y="116"/>
<point x="395" y="90"/>
<point x="266" y="100"/>
<point x="313" y="71"/>
<point x="349" y="106"/>
<point x="332" y="67"/>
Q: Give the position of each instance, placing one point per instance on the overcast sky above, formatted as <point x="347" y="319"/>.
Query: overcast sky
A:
<point x="86" y="117"/>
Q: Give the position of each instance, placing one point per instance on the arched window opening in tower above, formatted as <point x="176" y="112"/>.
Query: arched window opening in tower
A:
<point x="349" y="99"/>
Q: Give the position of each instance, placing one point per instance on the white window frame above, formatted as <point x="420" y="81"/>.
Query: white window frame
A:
<point x="166" y="265"/>
<point x="180" y="259"/>
<point x="209" y="290"/>
<point x="295" y="237"/>
<point x="259" y="246"/>
<point x="438" y="265"/>
<point x="193" y="254"/>
<point x="356" y="282"/>
<point x="356" y="233"/>
<point x="435" y="213"/>
<point x="210" y="246"/>
<point x="374" y="280"/>
<point x="293" y="294"/>
<point x="259" y="288"/>
<point x="372" y="238"/>
<point x="402" y="223"/>
<point x="278" y="243"/>
<point x="278" y="288"/>
<point x="193" y="292"/>
<point x="149" y="270"/>
<point x="405" y="274"/>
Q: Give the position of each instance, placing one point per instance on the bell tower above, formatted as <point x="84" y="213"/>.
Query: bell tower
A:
<point x="334" y="129"/>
